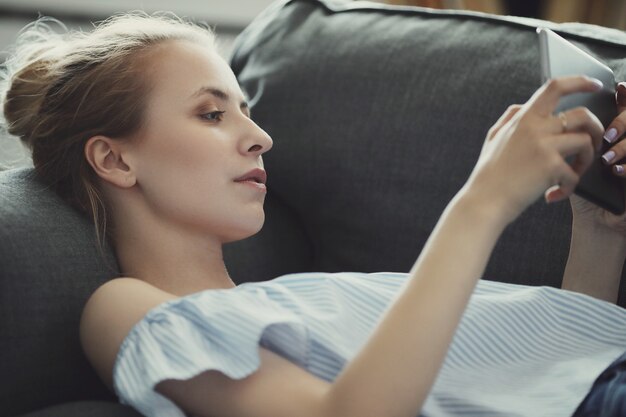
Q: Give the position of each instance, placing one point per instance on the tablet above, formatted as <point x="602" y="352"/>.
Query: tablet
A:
<point x="560" y="57"/>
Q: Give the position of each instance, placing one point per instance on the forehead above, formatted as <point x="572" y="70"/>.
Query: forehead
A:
<point x="180" y="68"/>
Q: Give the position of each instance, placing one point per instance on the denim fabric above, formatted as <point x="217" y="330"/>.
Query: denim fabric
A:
<point x="85" y="409"/>
<point x="607" y="397"/>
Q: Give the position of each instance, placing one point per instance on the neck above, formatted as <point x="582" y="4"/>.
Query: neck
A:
<point x="173" y="260"/>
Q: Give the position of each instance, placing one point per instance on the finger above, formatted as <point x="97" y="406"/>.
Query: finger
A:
<point x="506" y="116"/>
<point x="620" y="97"/>
<point x="617" y="127"/>
<point x="546" y="98"/>
<point x="567" y="185"/>
<point x="578" y="145"/>
<point x="619" y="170"/>
<point x="615" y="153"/>
<point x="581" y="119"/>
<point x="553" y="194"/>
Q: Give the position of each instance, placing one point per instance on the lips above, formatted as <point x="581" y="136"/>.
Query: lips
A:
<point x="257" y="175"/>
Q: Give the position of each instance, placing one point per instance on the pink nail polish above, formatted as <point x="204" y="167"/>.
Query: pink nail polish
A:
<point x="618" y="169"/>
<point x="608" y="157"/>
<point x="610" y="135"/>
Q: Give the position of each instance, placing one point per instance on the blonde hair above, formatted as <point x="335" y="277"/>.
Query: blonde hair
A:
<point x="60" y="89"/>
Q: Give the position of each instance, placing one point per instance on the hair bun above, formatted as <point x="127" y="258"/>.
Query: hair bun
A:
<point x="29" y="72"/>
<point x="24" y="98"/>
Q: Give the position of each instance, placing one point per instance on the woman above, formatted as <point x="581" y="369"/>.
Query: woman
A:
<point x="141" y="125"/>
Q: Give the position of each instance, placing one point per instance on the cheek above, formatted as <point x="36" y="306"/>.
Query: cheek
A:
<point x="175" y="175"/>
<point x="192" y="186"/>
<point x="207" y="205"/>
<point x="177" y="151"/>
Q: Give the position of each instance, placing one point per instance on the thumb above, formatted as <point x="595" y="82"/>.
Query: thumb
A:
<point x="620" y="97"/>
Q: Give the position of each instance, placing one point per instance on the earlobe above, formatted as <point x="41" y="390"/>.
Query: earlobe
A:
<point x="106" y="157"/>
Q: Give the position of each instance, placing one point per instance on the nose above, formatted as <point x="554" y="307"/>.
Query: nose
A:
<point x="256" y="141"/>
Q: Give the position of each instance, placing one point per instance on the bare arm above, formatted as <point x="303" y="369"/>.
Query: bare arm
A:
<point x="522" y="157"/>
<point x="598" y="242"/>
<point x="595" y="261"/>
<point x="393" y="373"/>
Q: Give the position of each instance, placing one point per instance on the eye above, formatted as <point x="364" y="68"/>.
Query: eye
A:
<point x="213" y="116"/>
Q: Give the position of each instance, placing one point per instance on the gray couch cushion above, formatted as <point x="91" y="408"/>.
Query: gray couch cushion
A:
<point x="378" y="116"/>
<point x="48" y="267"/>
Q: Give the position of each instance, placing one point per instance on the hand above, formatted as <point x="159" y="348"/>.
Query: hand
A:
<point x="596" y="253"/>
<point x="524" y="154"/>
<point x="588" y="214"/>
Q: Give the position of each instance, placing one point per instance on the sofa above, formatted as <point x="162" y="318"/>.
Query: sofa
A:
<point x="378" y="114"/>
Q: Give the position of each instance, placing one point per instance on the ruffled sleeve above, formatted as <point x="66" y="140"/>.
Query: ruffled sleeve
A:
<point x="212" y="330"/>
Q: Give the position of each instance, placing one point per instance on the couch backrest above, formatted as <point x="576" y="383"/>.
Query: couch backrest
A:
<point x="49" y="265"/>
<point x="378" y="115"/>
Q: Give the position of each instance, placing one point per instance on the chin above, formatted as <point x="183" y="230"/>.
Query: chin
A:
<point x="244" y="231"/>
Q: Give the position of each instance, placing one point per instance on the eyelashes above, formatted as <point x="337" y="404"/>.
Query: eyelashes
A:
<point x="214" y="116"/>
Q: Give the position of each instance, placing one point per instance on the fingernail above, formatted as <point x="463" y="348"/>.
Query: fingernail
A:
<point x="597" y="83"/>
<point x="547" y="197"/>
<point x="608" y="157"/>
<point x="550" y="193"/>
<point x="621" y="94"/>
<point x="618" y="169"/>
<point x="610" y="135"/>
<point x="551" y="197"/>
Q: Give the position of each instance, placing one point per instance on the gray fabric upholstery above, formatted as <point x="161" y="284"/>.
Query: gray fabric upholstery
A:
<point x="49" y="265"/>
<point x="377" y="116"/>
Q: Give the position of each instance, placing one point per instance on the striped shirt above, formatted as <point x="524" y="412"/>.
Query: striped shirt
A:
<point x="518" y="351"/>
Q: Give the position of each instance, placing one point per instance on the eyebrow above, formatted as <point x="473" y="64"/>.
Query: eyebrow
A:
<point x="222" y="95"/>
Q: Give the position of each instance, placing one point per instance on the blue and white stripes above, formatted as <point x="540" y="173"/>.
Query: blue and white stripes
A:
<point x="519" y="351"/>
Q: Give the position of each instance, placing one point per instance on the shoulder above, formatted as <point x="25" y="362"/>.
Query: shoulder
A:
<point x="109" y="315"/>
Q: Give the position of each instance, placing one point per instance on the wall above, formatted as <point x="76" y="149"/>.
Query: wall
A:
<point x="227" y="17"/>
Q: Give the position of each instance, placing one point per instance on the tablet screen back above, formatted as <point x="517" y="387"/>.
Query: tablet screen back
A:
<point x="560" y="57"/>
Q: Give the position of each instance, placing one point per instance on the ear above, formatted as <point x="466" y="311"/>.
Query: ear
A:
<point x="106" y="157"/>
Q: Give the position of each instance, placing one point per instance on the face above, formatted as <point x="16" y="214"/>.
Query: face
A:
<point x="197" y="139"/>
